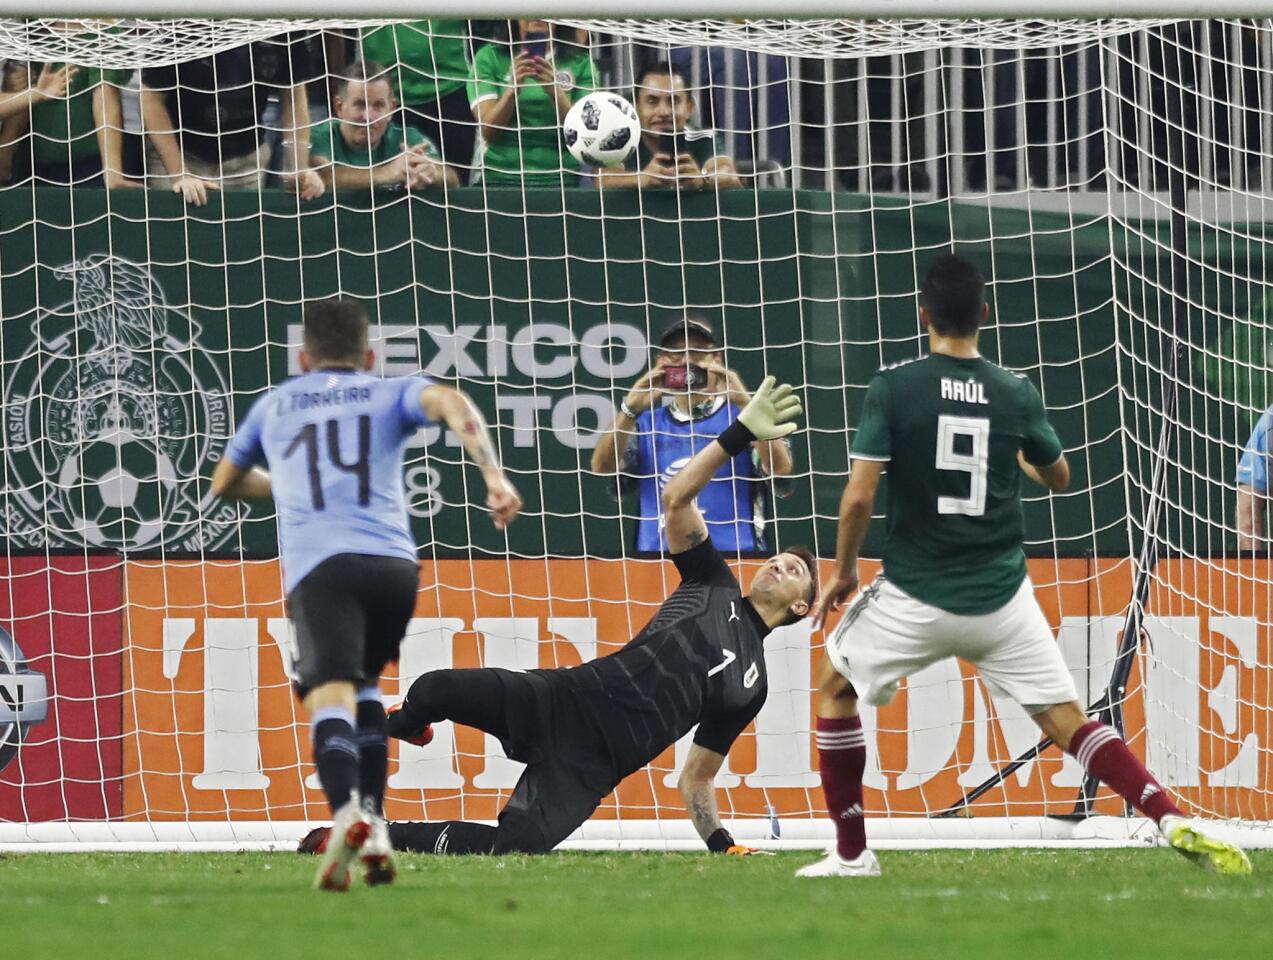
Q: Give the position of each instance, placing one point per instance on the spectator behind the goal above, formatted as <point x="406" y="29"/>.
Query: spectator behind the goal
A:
<point x="651" y="440"/>
<point x="520" y="92"/>
<point x="671" y="153"/>
<point x="362" y="147"/>
<point x="1253" y="486"/>
<point x="429" y="66"/>
<point x="203" y="118"/>
<point x="63" y="124"/>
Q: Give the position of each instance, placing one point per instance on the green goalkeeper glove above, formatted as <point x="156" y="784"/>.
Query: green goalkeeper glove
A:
<point x="772" y="411"/>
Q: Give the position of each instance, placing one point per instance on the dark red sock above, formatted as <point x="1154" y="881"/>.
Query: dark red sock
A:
<point x="841" y="761"/>
<point x="1105" y="756"/>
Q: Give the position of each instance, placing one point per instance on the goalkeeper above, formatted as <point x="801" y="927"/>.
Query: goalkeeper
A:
<point x="581" y="730"/>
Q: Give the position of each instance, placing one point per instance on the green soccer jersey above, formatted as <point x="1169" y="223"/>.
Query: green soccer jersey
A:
<point x="529" y="152"/>
<point x="950" y="430"/>
<point x="64" y="130"/>
<point x="327" y="141"/>
<point x="428" y="57"/>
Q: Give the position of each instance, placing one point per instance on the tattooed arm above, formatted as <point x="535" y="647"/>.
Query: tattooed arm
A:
<point x="698" y="789"/>
<point x="455" y="409"/>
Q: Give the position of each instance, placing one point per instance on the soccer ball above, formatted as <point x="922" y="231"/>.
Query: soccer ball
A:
<point x="602" y="130"/>
<point x="120" y="488"/>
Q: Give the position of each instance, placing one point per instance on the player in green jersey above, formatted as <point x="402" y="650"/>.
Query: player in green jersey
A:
<point x="956" y="432"/>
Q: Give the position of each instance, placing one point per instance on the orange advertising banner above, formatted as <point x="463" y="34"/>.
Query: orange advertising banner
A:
<point x="214" y="732"/>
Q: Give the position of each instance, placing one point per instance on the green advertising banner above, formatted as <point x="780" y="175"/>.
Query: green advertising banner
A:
<point x="136" y="330"/>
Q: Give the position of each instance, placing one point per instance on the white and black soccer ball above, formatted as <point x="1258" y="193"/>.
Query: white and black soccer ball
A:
<point x="602" y="129"/>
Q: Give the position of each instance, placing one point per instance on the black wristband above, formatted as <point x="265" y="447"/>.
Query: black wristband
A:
<point x="736" y="438"/>
<point x="720" y="841"/>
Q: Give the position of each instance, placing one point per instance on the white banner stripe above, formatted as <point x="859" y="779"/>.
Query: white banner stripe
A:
<point x="1090" y="746"/>
<point x="1094" y="743"/>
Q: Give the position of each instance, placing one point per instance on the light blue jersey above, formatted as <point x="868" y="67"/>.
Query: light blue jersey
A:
<point x="333" y="441"/>
<point x="1253" y="468"/>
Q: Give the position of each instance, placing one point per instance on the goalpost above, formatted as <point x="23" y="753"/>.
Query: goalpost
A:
<point x="1113" y="178"/>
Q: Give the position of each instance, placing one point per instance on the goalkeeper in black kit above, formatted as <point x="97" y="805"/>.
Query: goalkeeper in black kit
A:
<point x="581" y="730"/>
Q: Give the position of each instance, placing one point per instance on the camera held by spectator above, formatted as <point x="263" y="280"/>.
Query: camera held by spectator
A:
<point x="674" y="409"/>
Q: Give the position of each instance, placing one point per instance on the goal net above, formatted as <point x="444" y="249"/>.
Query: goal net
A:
<point x="1111" y="178"/>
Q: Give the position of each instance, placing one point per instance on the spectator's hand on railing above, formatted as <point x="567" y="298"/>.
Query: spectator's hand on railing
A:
<point x="53" y="84"/>
<point x="307" y="184"/>
<point x="420" y="171"/>
<point x="194" y="189"/>
<point x="114" y="180"/>
<point x="689" y="175"/>
<point x="659" y="172"/>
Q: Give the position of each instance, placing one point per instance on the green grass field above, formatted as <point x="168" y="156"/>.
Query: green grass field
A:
<point x="1019" y="904"/>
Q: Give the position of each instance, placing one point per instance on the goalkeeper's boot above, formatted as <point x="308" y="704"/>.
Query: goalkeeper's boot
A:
<point x="350" y="830"/>
<point x="834" y="865"/>
<point x="377" y="854"/>
<point x="401" y="727"/>
<point x="1210" y="853"/>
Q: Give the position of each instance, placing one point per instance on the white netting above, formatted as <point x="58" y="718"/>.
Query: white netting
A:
<point x="1111" y="178"/>
<point x="129" y="42"/>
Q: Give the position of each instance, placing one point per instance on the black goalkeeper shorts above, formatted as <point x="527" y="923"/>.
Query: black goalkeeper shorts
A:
<point x="351" y="612"/>
<point x="568" y="768"/>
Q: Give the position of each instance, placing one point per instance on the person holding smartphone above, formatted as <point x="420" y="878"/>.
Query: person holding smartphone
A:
<point x="671" y="153"/>
<point x="520" y="92"/>
<point x="674" y="410"/>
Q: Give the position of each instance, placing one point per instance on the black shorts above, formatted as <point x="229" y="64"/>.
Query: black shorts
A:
<point x="351" y="612"/>
<point x="568" y="769"/>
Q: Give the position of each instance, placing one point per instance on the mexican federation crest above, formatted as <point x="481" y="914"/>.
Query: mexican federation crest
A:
<point x="109" y="416"/>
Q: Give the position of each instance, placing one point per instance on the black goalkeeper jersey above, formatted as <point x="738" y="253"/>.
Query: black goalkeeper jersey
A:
<point x="700" y="660"/>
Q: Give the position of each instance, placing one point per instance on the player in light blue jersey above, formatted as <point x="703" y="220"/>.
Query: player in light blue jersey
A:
<point x="333" y="440"/>
<point x="1253" y="485"/>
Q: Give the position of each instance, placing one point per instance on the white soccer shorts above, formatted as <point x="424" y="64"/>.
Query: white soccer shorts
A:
<point x="887" y="635"/>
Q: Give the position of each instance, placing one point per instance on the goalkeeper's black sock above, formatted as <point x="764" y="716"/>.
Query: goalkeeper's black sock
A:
<point x="335" y="753"/>
<point x="373" y="750"/>
<point x="446" y="836"/>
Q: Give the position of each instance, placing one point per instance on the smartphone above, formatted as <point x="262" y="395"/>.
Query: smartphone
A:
<point x="688" y="376"/>
<point x="535" y="43"/>
<point x="673" y="144"/>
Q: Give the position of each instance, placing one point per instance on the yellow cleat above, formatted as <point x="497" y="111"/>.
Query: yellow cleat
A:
<point x="1208" y="852"/>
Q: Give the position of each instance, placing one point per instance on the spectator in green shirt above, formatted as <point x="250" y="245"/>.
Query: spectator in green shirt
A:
<point x="362" y="148"/>
<point x="520" y="92"/>
<point x="72" y="130"/>
<point x="671" y="153"/>
<point x="430" y="68"/>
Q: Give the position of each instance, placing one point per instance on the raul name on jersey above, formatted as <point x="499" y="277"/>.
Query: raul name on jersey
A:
<point x="963" y="391"/>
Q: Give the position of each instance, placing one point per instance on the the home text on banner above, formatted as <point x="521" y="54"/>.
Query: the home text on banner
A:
<point x="213" y="731"/>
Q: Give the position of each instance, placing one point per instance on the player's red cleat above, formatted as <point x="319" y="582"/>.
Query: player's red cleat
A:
<point x="399" y="729"/>
<point x="350" y="830"/>
<point x="315" y="841"/>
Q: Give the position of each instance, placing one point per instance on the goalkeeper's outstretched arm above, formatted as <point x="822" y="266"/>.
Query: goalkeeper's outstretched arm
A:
<point x="771" y="414"/>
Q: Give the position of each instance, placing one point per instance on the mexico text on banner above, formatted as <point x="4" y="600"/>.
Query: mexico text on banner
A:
<point x="212" y="727"/>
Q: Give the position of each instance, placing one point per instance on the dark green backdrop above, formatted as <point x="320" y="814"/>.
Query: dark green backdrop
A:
<point x="815" y="288"/>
